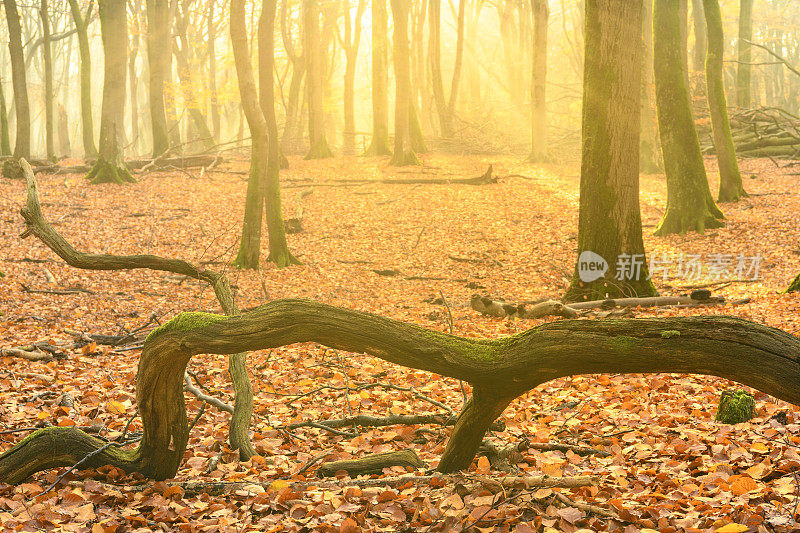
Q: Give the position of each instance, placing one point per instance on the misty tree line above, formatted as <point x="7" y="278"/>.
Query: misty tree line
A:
<point x="470" y="68"/>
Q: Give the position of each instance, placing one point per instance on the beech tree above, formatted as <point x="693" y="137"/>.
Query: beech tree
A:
<point x="743" y="68"/>
<point x="352" y="40"/>
<point x="158" y="57"/>
<point x="5" y="137"/>
<point x="110" y="166"/>
<point x="293" y="129"/>
<point x="262" y="184"/>
<point x="22" y="143"/>
<point x="380" y="80"/>
<point x="730" y="179"/>
<point x="404" y="114"/>
<point x="541" y="14"/>
<point x="609" y="222"/>
<point x="315" y="81"/>
<point x="81" y="22"/>
<point x="47" y="60"/>
<point x="690" y="206"/>
<point x="649" y="152"/>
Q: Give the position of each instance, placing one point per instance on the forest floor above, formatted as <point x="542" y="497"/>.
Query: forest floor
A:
<point x="670" y="468"/>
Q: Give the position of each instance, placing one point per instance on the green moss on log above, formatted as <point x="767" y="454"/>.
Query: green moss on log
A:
<point x="187" y="321"/>
<point x="735" y="407"/>
<point x="795" y="285"/>
<point x="668" y="334"/>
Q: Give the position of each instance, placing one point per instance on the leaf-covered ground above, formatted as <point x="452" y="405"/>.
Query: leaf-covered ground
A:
<point x="671" y="467"/>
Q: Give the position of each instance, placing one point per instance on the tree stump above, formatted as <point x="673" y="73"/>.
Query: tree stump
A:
<point x="735" y="407"/>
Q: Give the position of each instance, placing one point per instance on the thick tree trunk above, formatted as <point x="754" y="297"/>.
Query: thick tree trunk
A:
<point x="159" y="59"/>
<point x="690" y="206"/>
<point x="699" y="20"/>
<point x="22" y="143"/>
<point x="730" y="179"/>
<point x="47" y="61"/>
<point x="649" y="152"/>
<point x="5" y="137"/>
<point x="541" y="14"/>
<point x="404" y="114"/>
<point x="87" y="122"/>
<point x="278" y="248"/>
<point x="744" y="56"/>
<point x="609" y="223"/>
<point x="380" y="80"/>
<point x="499" y="370"/>
<point x="315" y="81"/>
<point x="110" y="166"/>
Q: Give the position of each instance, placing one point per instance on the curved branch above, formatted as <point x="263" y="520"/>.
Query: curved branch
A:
<point x="499" y="370"/>
<point x="37" y="225"/>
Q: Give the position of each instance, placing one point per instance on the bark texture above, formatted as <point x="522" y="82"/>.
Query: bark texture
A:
<point x="731" y="188"/>
<point x="744" y="69"/>
<point x="690" y="206"/>
<point x="541" y="14"/>
<point x="609" y="223"/>
<point x="110" y="166"/>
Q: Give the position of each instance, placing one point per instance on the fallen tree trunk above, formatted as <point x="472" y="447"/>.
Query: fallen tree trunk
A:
<point x="189" y="161"/>
<point x="371" y="464"/>
<point x="38" y="226"/>
<point x="499" y="370"/>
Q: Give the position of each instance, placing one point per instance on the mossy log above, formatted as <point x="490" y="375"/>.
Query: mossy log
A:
<point x="499" y="370"/>
<point x="794" y="286"/>
<point x="371" y="464"/>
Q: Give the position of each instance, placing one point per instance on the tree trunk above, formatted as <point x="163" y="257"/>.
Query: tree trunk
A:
<point x="158" y="36"/>
<point x="690" y="206"/>
<point x="278" y="248"/>
<point x="403" y="149"/>
<point x="293" y="130"/>
<point x="64" y="147"/>
<point x="435" y="59"/>
<point x="541" y="13"/>
<point x="352" y="40"/>
<point x="5" y="138"/>
<point x="698" y="18"/>
<point x="110" y="166"/>
<point x="47" y="60"/>
<point x="459" y="60"/>
<point x="211" y="30"/>
<point x="499" y="370"/>
<point x="649" y="152"/>
<point x="380" y="80"/>
<point x="315" y="81"/>
<point x="744" y="56"/>
<point x="187" y="79"/>
<point x="87" y="122"/>
<point x="22" y="146"/>
<point x="609" y="223"/>
<point x="730" y="179"/>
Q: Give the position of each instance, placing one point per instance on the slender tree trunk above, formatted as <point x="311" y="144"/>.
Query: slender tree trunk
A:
<point x="459" y="61"/>
<point x="435" y="55"/>
<point x="698" y="18"/>
<point x="110" y="166"/>
<point x="403" y="149"/>
<point x="352" y="40"/>
<point x="133" y="85"/>
<point x="541" y="13"/>
<point x="47" y="60"/>
<point x="212" y="70"/>
<point x="158" y="37"/>
<point x="187" y="79"/>
<point x="22" y="146"/>
<point x="690" y="206"/>
<point x="744" y="56"/>
<point x="380" y="80"/>
<point x="313" y="50"/>
<point x="730" y="179"/>
<point x="5" y="138"/>
<point x="87" y="122"/>
<point x="609" y="223"/>
<point x="278" y="248"/>
<point x="292" y="130"/>
<point x="649" y="153"/>
<point x="64" y="147"/>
